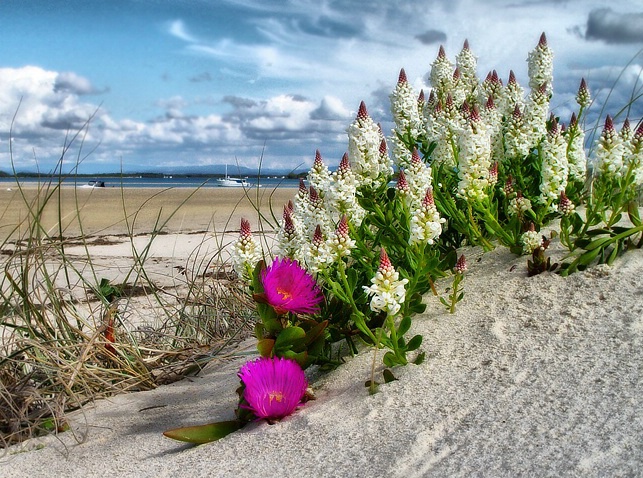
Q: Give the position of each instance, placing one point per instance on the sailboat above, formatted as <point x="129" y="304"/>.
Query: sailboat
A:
<point x="230" y="182"/>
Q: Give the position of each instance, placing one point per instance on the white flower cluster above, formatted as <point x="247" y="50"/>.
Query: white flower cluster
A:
<point x="307" y="230"/>
<point x="565" y="206"/>
<point x="541" y="66"/>
<point x="426" y="223"/>
<point x="609" y="151"/>
<point x="387" y="290"/>
<point x="319" y="176"/>
<point x="340" y="244"/>
<point x="245" y="251"/>
<point x="364" y="139"/>
<point x="406" y="115"/>
<point x="518" y="206"/>
<point x="513" y="96"/>
<point x="474" y="160"/>
<point x="634" y="155"/>
<point x="531" y="240"/>
<point x="287" y="237"/>
<point x="315" y="253"/>
<point x="342" y="194"/>
<point x="441" y="74"/>
<point x="466" y="64"/>
<point x="418" y="178"/>
<point x="517" y="137"/>
<point x="576" y="157"/>
<point x="555" y="168"/>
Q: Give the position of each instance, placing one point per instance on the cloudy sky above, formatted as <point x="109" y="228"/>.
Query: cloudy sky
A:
<point x="181" y="84"/>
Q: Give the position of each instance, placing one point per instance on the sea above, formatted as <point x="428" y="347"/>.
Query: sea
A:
<point x="147" y="182"/>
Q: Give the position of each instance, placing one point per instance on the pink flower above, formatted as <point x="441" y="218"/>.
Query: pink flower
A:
<point x="288" y="287"/>
<point x="274" y="386"/>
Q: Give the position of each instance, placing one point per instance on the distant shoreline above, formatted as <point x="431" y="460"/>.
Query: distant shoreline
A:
<point x="268" y="182"/>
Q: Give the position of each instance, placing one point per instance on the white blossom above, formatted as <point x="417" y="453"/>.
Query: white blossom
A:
<point x="426" y="223"/>
<point x="634" y="155"/>
<point x="516" y="134"/>
<point x="319" y="176"/>
<point x="340" y="244"/>
<point x="474" y="160"/>
<point x="576" y="157"/>
<point x="441" y="75"/>
<point x="245" y="251"/>
<point x="531" y="240"/>
<point x="541" y="66"/>
<point x="342" y="193"/>
<point x="555" y="167"/>
<point x="466" y="63"/>
<point x="316" y="254"/>
<point x="418" y="177"/>
<point x="387" y="290"/>
<point x="609" y="151"/>
<point x="518" y="206"/>
<point x="364" y="138"/>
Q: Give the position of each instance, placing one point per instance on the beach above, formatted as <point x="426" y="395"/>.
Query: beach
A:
<point x="539" y="376"/>
<point x="122" y="211"/>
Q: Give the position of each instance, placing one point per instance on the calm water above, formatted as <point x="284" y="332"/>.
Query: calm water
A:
<point x="168" y="182"/>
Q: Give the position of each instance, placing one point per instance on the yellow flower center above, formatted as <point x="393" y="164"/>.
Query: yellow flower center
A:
<point x="275" y="395"/>
<point x="284" y="293"/>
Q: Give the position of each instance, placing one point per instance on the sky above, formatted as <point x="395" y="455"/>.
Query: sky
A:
<point x="192" y="85"/>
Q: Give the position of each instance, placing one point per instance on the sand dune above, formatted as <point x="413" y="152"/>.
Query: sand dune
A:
<point x="537" y="376"/>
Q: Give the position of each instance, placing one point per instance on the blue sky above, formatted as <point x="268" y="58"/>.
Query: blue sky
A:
<point x="197" y="84"/>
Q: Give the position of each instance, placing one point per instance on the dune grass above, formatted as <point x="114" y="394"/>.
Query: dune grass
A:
<point x="66" y="334"/>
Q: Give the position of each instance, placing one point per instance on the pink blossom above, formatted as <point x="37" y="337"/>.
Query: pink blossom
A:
<point x="288" y="287"/>
<point x="274" y="387"/>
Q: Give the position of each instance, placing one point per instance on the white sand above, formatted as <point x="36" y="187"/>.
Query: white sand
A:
<point x="537" y="376"/>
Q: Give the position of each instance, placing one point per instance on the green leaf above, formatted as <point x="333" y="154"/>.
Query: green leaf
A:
<point x="405" y="325"/>
<point x="388" y="376"/>
<point x="204" y="433"/>
<point x="257" y="286"/>
<point x="597" y="243"/>
<point x="301" y="358"/>
<point x="288" y="337"/>
<point x="633" y="212"/>
<point x="420" y="358"/>
<point x="389" y="359"/>
<point x="614" y="254"/>
<point x="265" y="347"/>
<point x="414" y="343"/>
<point x="316" y="331"/>
<point x="588" y="257"/>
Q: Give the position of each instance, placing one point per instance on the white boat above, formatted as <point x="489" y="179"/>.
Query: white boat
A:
<point x="230" y="182"/>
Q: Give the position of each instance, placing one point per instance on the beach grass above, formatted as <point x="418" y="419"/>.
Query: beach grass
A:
<point x="75" y="330"/>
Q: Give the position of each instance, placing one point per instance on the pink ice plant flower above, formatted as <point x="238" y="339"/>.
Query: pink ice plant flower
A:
<point x="274" y="386"/>
<point x="288" y="287"/>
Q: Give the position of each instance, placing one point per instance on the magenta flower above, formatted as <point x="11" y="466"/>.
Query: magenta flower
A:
<point x="288" y="287"/>
<point x="274" y="386"/>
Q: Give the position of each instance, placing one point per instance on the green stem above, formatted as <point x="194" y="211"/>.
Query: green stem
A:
<point x="473" y="227"/>
<point x="455" y="292"/>
<point x="498" y="230"/>
<point x="358" y="315"/>
<point x="390" y="320"/>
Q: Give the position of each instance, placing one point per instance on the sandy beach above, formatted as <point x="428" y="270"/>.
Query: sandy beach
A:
<point x="116" y="211"/>
<point x="537" y="376"/>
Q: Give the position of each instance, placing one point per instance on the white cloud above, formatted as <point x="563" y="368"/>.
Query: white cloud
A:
<point x="177" y="29"/>
<point x="49" y="114"/>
